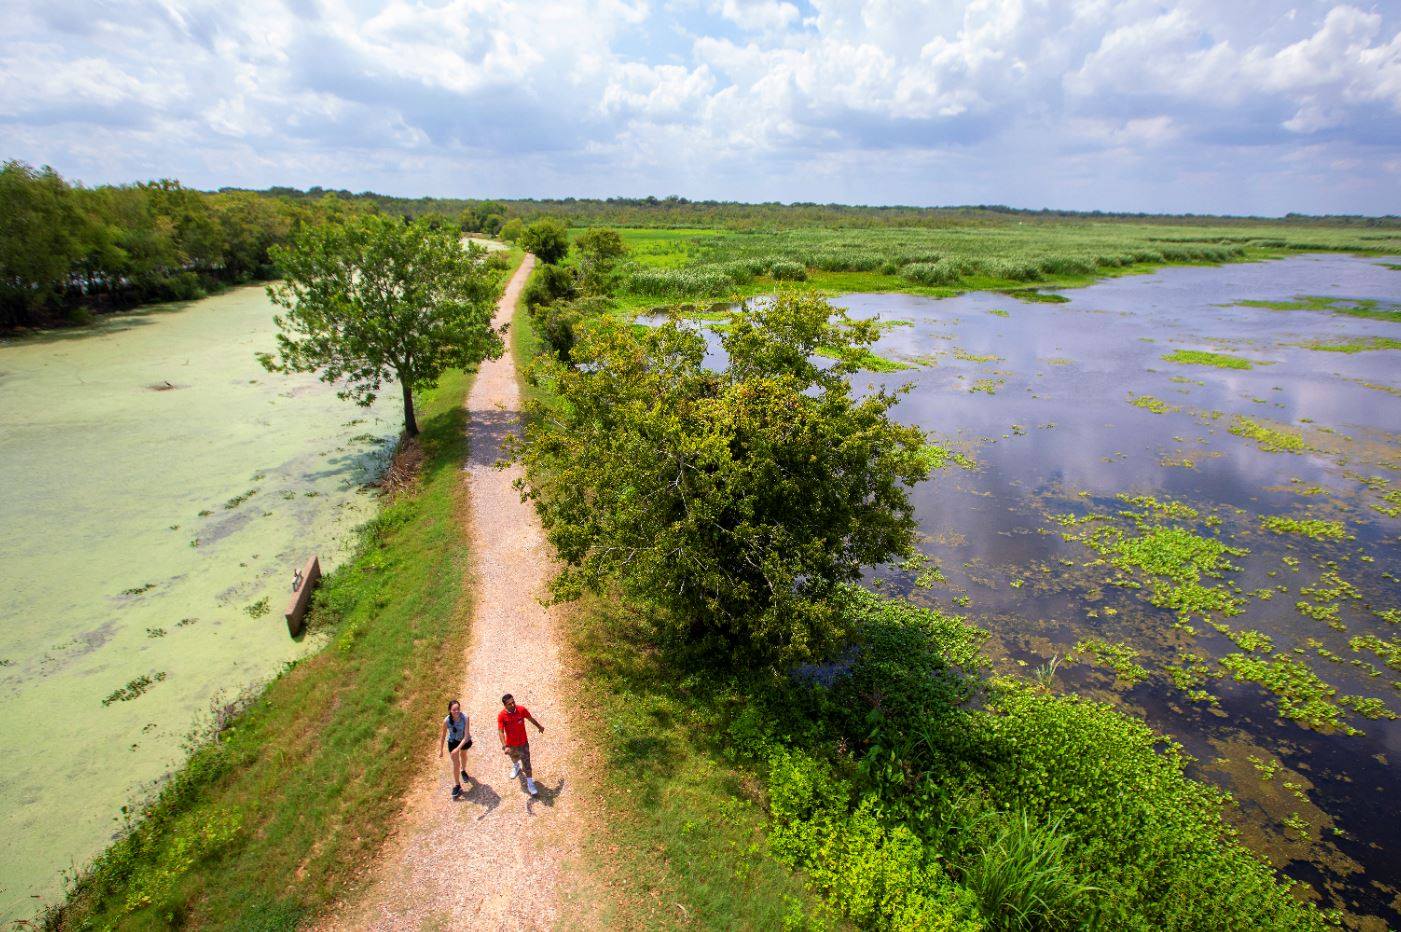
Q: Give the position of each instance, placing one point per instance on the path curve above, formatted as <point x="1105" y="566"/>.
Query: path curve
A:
<point x="498" y="859"/>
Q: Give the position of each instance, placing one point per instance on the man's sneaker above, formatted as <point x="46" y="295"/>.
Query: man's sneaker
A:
<point x="457" y="792"/>
<point x="530" y="785"/>
<point x="515" y="770"/>
<point x="465" y="778"/>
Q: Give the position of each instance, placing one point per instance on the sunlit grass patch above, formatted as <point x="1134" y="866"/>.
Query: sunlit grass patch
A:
<point x="1204" y="358"/>
<point x="1354" y="345"/>
<point x="1368" y="308"/>
<point x="1149" y="403"/>
<point x="1312" y="528"/>
<point x="1269" y="438"/>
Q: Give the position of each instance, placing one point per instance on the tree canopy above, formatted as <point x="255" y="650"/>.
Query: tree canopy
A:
<point x="548" y="239"/>
<point x="737" y="499"/>
<point x="375" y="300"/>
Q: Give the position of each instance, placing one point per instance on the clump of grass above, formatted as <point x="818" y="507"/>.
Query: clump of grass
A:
<point x="239" y="499"/>
<point x="1268" y="438"/>
<point x="1118" y="657"/>
<point x="1021" y="876"/>
<point x="257" y="609"/>
<point x="1204" y="358"/>
<point x="1312" y="528"/>
<point x="134" y="688"/>
<point x="987" y="386"/>
<point x="1354" y="345"/>
<point x="998" y="312"/>
<point x="155" y="632"/>
<point x="138" y="590"/>
<point x="966" y="356"/>
<point x="1368" y="308"/>
<point x="1149" y="403"/>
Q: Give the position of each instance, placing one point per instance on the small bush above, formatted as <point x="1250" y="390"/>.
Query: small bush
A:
<point x="784" y="271"/>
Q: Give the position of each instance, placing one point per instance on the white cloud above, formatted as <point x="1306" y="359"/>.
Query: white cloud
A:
<point x="987" y="100"/>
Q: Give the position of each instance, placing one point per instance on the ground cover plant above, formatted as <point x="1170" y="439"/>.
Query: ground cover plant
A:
<point x="1367" y="308"/>
<point x="1204" y="358"/>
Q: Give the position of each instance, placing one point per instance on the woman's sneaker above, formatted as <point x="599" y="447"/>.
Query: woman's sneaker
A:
<point x="457" y="792"/>
<point x="465" y="778"/>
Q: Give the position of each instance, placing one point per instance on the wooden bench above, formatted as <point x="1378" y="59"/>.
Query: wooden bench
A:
<point x="301" y="596"/>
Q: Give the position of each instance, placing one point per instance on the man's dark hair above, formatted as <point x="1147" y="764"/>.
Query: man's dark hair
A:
<point x="507" y="698"/>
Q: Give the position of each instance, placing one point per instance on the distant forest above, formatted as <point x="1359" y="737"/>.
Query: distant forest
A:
<point x="676" y="211"/>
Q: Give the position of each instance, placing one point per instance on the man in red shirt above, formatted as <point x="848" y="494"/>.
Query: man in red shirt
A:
<point x="510" y="724"/>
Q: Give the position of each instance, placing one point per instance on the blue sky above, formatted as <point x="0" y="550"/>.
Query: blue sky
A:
<point x="1227" y="106"/>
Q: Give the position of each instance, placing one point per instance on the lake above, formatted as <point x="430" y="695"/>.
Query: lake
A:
<point x="1105" y="482"/>
<point x="160" y="490"/>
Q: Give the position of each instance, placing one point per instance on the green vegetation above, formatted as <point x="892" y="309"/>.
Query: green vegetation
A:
<point x="1149" y="403"/>
<point x="1118" y="657"/>
<point x="1270" y="438"/>
<point x="1203" y="358"/>
<point x="289" y="793"/>
<point x="1303" y="697"/>
<point x="374" y="300"/>
<point x="68" y="251"/>
<point x="134" y="688"/>
<point x="1368" y="308"/>
<point x="913" y="790"/>
<point x="1178" y="566"/>
<point x="1312" y="528"/>
<point x="679" y="483"/>
<point x="1355" y="345"/>
<point x="547" y="238"/>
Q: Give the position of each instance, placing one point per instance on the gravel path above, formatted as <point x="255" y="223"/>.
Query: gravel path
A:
<point x="498" y="859"/>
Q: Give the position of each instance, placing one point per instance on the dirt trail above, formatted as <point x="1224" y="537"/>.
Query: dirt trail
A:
<point x="498" y="859"/>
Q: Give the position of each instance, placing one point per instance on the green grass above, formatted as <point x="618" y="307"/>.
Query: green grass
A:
<point x="687" y="825"/>
<point x="1203" y="358"/>
<point x="1367" y="308"/>
<point x="1354" y="345"/>
<point x="1268" y="437"/>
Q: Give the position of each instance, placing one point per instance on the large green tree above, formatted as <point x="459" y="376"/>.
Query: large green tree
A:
<point x="375" y="300"/>
<point x="736" y="499"/>
<point x="548" y="239"/>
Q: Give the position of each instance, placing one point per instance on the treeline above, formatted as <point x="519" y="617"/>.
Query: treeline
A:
<point x="487" y="215"/>
<point x="67" y="251"/>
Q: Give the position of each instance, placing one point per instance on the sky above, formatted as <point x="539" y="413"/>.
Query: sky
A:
<point x="1214" y="106"/>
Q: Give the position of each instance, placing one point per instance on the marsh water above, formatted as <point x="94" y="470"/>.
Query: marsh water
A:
<point x="1040" y="397"/>
<point x="160" y="489"/>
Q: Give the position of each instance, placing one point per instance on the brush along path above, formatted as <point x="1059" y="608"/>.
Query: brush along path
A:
<point x="497" y="859"/>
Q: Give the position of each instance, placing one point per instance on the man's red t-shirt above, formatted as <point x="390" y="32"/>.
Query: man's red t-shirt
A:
<point x="514" y="723"/>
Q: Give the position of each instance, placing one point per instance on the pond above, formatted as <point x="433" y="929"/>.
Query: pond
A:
<point x="160" y="490"/>
<point x="1105" y="484"/>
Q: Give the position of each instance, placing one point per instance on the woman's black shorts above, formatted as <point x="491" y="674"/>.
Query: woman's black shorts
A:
<point x="453" y="745"/>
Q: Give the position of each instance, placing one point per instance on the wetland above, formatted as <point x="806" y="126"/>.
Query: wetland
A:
<point x="1172" y="496"/>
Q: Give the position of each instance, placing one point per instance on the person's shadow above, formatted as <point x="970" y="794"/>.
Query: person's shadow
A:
<point x="546" y="796"/>
<point x="482" y="794"/>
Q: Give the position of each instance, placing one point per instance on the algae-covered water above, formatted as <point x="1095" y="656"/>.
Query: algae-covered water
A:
<point x="160" y="488"/>
<point x="1103" y="479"/>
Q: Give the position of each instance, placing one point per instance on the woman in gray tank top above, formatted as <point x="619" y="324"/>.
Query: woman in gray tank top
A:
<point x="456" y="737"/>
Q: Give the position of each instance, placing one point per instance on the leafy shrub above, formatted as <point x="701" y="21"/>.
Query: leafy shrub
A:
<point x="548" y="284"/>
<point x="784" y="271"/>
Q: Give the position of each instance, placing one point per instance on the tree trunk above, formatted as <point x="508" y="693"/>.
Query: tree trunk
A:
<point x="410" y="423"/>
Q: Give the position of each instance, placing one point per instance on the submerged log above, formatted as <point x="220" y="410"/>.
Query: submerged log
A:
<point x="303" y="583"/>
